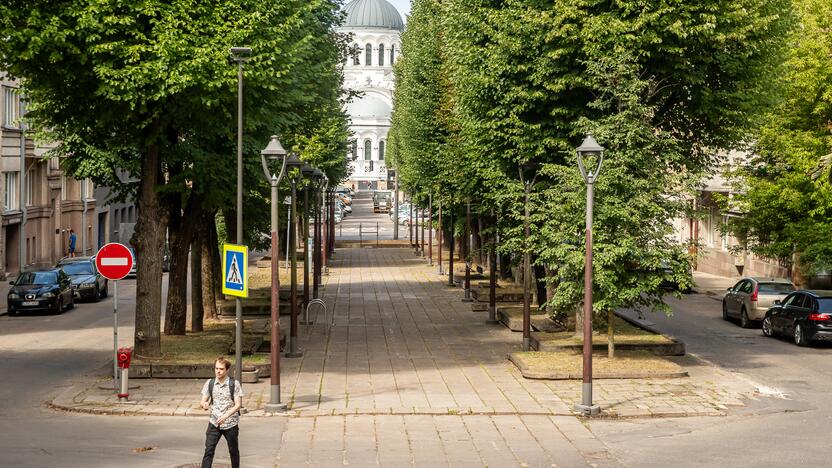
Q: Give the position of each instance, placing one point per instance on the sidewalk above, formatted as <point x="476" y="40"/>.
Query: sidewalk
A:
<point x="712" y="285"/>
<point x="403" y="343"/>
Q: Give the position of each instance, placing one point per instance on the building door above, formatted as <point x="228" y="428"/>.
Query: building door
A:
<point x="102" y="229"/>
<point x="12" y="248"/>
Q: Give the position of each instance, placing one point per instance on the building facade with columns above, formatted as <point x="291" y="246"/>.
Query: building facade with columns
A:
<point x="375" y="27"/>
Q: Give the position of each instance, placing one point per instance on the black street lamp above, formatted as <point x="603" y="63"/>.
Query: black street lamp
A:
<point x="293" y="166"/>
<point x="271" y="154"/>
<point x="591" y="154"/>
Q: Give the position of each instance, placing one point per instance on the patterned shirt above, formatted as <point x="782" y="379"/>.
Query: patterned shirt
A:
<point x="221" y="402"/>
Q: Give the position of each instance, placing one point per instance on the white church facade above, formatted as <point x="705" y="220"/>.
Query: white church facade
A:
<point x="375" y="27"/>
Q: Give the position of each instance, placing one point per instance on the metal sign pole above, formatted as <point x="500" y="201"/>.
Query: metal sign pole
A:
<point x="115" y="336"/>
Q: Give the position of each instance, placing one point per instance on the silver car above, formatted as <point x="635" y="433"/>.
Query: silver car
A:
<point x="750" y="298"/>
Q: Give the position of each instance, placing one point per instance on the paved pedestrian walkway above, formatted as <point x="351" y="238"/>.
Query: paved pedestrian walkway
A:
<point x="407" y="374"/>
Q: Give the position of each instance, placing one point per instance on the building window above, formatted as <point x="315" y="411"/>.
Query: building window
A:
<point x="31" y="183"/>
<point x="381" y="150"/>
<point x="352" y="150"/>
<point x="392" y="53"/>
<point x="368" y="55"/>
<point x="11" y="107"/>
<point x="368" y="150"/>
<point x="10" y="201"/>
<point x="355" y="55"/>
<point x="381" y="55"/>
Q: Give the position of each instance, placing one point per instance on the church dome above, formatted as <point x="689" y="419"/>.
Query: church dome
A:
<point x="369" y="106"/>
<point x="372" y="14"/>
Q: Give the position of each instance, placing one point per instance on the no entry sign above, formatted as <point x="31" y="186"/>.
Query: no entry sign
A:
<point x="114" y="261"/>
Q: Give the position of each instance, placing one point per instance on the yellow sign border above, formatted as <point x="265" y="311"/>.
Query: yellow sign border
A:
<point x="241" y="249"/>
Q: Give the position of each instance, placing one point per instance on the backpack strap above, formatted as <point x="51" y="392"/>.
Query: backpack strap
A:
<point x="231" y="389"/>
<point x="211" y="390"/>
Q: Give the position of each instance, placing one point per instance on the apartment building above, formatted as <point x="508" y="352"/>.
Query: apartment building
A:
<point x="40" y="203"/>
<point x="720" y="253"/>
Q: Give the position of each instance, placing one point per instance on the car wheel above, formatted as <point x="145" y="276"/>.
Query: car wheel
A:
<point x="768" y="329"/>
<point x="60" y="306"/>
<point x="799" y="336"/>
<point x="96" y="296"/>
<point x="71" y="304"/>
<point x="106" y="291"/>
<point x="724" y="311"/>
<point x="12" y="312"/>
<point x="745" y="322"/>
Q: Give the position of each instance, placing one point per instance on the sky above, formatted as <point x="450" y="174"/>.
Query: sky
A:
<point x="403" y="6"/>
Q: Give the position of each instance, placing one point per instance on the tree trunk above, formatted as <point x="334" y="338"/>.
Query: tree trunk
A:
<point x="149" y="240"/>
<point x="197" y="310"/>
<point x="181" y="232"/>
<point x="610" y="334"/>
<point x="210" y="267"/>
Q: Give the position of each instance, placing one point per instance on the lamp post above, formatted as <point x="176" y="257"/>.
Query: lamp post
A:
<point x="492" y="274"/>
<point x="240" y="55"/>
<point x="273" y="152"/>
<point x="468" y="254"/>
<point x="307" y="172"/>
<point x="592" y="153"/>
<point x="317" y="178"/>
<point x="396" y="204"/>
<point x="440" y="234"/>
<point x="293" y="165"/>
<point x="430" y="229"/>
<point x="451" y="247"/>
<point x="527" y="262"/>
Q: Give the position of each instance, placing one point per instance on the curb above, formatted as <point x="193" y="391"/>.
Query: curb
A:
<point x="524" y="370"/>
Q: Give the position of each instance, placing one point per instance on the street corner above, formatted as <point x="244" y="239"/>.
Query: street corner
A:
<point x="154" y="397"/>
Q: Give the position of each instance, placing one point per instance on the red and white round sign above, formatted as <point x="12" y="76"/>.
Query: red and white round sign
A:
<point x="114" y="261"/>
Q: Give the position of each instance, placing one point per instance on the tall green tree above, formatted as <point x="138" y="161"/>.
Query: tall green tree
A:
<point x="146" y="86"/>
<point x="660" y="84"/>
<point x="784" y="190"/>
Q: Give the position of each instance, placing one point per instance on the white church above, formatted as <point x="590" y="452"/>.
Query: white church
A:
<point x="375" y="26"/>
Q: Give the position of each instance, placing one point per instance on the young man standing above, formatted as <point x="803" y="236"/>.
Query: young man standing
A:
<point x="224" y="397"/>
<point x="72" y="240"/>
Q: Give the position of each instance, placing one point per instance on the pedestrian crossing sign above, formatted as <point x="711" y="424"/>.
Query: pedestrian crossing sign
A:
<point x="234" y="267"/>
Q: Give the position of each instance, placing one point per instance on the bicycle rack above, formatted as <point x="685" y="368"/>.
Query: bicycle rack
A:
<point x="321" y="303"/>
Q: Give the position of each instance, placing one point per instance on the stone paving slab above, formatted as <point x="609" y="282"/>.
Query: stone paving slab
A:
<point x="403" y="343"/>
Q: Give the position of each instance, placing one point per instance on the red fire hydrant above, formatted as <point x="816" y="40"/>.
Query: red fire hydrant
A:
<point x="124" y="355"/>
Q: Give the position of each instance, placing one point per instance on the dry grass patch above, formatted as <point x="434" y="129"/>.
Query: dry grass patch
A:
<point x="625" y="333"/>
<point x="202" y="347"/>
<point x="563" y="364"/>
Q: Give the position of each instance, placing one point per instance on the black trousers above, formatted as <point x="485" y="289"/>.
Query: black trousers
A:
<point x="212" y="438"/>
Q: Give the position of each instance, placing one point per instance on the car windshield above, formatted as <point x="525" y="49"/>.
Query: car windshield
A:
<point x="77" y="268"/>
<point x="776" y="288"/>
<point x="825" y="305"/>
<point x="37" y="278"/>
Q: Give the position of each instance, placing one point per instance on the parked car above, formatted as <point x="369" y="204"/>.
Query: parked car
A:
<point x="806" y="315"/>
<point x="85" y="280"/>
<point x="403" y="208"/>
<point x="344" y="198"/>
<point x="339" y="215"/>
<point x="134" y="269"/>
<point x="382" y="201"/>
<point x="40" y="290"/>
<point x="750" y="298"/>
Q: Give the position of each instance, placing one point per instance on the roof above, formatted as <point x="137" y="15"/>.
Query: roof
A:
<point x="372" y="14"/>
<point x="768" y="279"/>
<point x="819" y="292"/>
